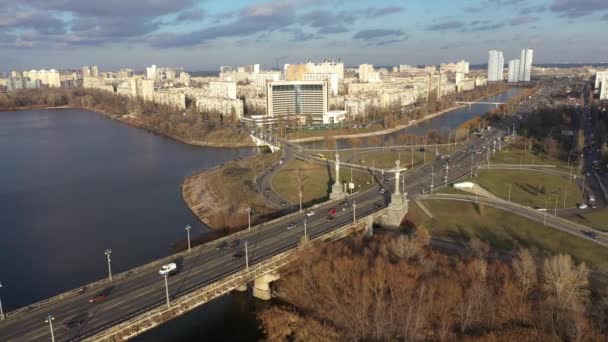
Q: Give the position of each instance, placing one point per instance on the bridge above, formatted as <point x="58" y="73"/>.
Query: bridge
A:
<point x="481" y="102"/>
<point x="140" y="299"/>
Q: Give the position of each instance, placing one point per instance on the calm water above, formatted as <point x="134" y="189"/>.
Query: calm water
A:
<point x="73" y="183"/>
<point x="441" y="124"/>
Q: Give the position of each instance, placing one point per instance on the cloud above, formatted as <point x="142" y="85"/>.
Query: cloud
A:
<point x="392" y="41"/>
<point x="113" y="8"/>
<point x="333" y="29"/>
<point x="523" y="20"/>
<point x="190" y="15"/>
<point x="485" y="25"/>
<point x="299" y="35"/>
<point x="446" y="25"/>
<point x="533" y="9"/>
<point x="605" y="17"/>
<point x="383" y="11"/>
<point x="578" y="8"/>
<point x="376" y="33"/>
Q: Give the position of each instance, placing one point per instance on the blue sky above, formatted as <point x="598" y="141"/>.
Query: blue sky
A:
<point x="201" y="35"/>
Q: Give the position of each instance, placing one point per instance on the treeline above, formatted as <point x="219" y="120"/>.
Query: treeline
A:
<point x="395" y="288"/>
<point x="189" y="125"/>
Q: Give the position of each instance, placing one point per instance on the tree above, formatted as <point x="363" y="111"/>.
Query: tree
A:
<point x="524" y="268"/>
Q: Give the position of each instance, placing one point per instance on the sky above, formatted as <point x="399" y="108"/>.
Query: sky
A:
<point x="204" y="34"/>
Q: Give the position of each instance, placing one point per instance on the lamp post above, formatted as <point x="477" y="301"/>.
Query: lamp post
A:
<point x="108" y="252"/>
<point x="509" y="192"/>
<point x="188" y="232"/>
<point x="167" y="290"/>
<point x="354" y="212"/>
<point x="546" y="205"/>
<point x="246" y="257"/>
<point x="49" y="319"/>
<point x="555" y="210"/>
<point x="305" y="230"/>
<point x="249" y="218"/>
<point x="1" y="311"/>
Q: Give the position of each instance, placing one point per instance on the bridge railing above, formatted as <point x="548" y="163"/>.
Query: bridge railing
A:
<point x="158" y="313"/>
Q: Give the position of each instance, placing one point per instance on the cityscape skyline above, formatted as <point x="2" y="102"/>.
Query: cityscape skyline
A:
<point x="204" y="35"/>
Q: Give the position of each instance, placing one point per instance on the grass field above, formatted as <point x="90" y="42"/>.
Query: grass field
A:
<point x="316" y="181"/>
<point x="384" y="158"/>
<point x="534" y="189"/>
<point x="596" y="219"/>
<point x="503" y="230"/>
<point x="515" y="154"/>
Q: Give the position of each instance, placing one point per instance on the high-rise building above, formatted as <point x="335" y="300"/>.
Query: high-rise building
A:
<point x="365" y="73"/>
<point x="297" y="98"/>
<point x="86" y="71"/>
<point x="151" y="72"/>
<point x="525" y="65"/>
<point x="599" y="76"/>
<point x="496" y="66"/>
<point x="513" y="76"/>
<point x="94" y="71"/>
<point x="222" y="89"/>
<point x="604" y="90"/>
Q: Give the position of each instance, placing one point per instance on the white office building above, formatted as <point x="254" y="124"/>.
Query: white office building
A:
<point x="599" y="77"/>
<point x="525" y="65"/>
<point x="297" y="98"/>
<point x="513" y="75"/>
<point x="604" y="90"/>
<point x="496" y="66"/>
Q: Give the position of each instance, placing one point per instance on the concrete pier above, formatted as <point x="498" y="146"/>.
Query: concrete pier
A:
<point x="242" y="288"/>
<point x="261" y="286"/>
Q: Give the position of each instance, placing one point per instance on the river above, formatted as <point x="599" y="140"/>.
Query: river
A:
<point x="442" y="124"/>
<point x="75" y="183"/>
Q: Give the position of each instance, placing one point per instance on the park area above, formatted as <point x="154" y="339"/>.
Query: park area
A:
<point x="502" y="230"/>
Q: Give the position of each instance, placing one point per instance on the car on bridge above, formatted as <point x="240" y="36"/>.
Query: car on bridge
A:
<point x="168" y="269"/>
<point x="291" y="226"/>
<point x="590" y="234"/>
<point x="101" y="296"/>
<point x="75" y="321"/>
<point x="332" y="211"/>
<point x="310" y="213"/>
<point x="238" y="255"/>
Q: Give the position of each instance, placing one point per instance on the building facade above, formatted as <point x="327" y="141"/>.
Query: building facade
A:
<point x="513" y="75"/>
<point x="525" y="65"/>
<point x="297" y="98"/>
<point x="496" y="65"/>
<point x="604" y="90"/>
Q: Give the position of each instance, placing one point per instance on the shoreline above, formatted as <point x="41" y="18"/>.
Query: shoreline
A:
<point x="394" y="129"/>
<point x="133" y="122"/>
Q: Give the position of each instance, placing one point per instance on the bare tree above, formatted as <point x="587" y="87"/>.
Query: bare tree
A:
<point x="524" y="268"/>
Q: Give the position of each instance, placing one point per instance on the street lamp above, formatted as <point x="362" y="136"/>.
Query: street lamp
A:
<point x="354" y="212"/>
<point x="1" y="311"/>
<point x="49" y="319"/>
<point x="246" y="257"/>
<point x="509" y="192"/>
<point x="165" y="275"/>
<point x="301" y="196"/>
<point x="305" y="230"/>
<point x="188" y="232"/>
<point x="107" y="253"/>
<point x="546" y="205"/>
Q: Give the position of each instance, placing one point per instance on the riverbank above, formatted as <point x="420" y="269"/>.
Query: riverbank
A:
<point x="133" y="121"/>
<point x="220" y="197"/>
<point x="394" y="129"/>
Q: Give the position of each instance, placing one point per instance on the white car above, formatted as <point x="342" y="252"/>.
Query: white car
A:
<point x="291" y="226"/>
<point x="310" y="213"/>
<point x="167" y="269"/>
<point x="582" y="206"/>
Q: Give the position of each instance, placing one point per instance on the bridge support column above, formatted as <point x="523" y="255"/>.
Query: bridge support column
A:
<point x="369" y="227"/>
<point x="242" y="288"/>
<point x="336" y="189"/>
<point x="261" y="286"/>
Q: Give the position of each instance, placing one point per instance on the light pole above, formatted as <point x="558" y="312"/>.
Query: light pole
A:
<point x="555" y="210"/>
<point x="432" y="177"/>
<point x="246" y="257"/>
<point x="49" y="319"/>
<point x="167" y="290"/>
<point x="249" y="218"/>
<point x="188" y="232"/>
<point x="301" y="196"/>
<point x="509" y="192"/>
<point x="305" y="231"/>
<point x="354" y="212"/>
<point x="1" y="311"/>
<point x="107" y="253"/>
<point x="565" y="192"/>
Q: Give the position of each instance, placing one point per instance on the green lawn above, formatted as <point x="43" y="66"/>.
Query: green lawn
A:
<point x="315" y="179"/>
<point x="384" y="158"/>
<point x="515" y="154"/>
<point x="503" y="230"/>
<point x="596" y="219"/>
<point x="534" y="189"/>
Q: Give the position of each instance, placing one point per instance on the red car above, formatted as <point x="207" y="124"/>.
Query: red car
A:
<point x="101" y="296"/>
<point x="332" y="211"/>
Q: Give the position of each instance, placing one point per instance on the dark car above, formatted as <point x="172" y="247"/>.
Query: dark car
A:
<point x="234" y="243"/>
<point x="101" y="296"/>
<point x="238" y="255"/>
<point x="223" y="245"/>
<point x="75" y="321"/>
<point x="591" y="234"/>
<point x="378" y="205"/>
<point x="330" y="217"/>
